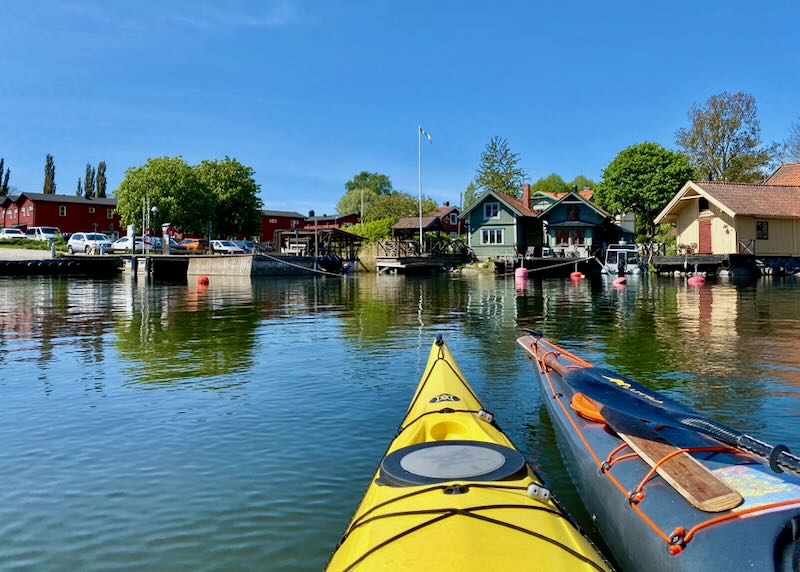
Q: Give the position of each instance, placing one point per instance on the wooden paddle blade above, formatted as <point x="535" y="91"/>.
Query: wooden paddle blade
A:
<point x="690" y="478"/>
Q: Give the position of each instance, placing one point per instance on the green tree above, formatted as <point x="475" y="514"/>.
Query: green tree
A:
<point x="582" y="183"/>
<point x="552" y="184"/>
<point x="102" y="182"/>
<point x="375" y="182"/>
<point x="724" y="139"/>
<point x="643" y="179"/>
<point x="377" y="206"/>
<point x="470" y="195"/>
<point x="499" y="169"/>
<point x="792" y="143"/>
<point x="49" y="175"/>
<point x="237" y="210"/>
<point x="173" y="187"/>
<point x="88" y="185"/>
<point x="79" y="190"/>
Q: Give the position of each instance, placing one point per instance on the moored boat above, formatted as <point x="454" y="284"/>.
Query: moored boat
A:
<point x="668" y="489"/>
<point x="453" y="493"/>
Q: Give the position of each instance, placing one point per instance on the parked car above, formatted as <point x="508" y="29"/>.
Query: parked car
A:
<point x="226" y="247"/>
<point x="9" y="233"/>
<point x="43" y="233"/>
<point x="86" y="241"/>
<point x="247" y="245"/>
<point x="194" y="244"/>
<point x="124" y="245"/>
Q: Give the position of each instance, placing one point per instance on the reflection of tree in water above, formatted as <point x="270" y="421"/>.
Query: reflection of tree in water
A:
<point x="181" y="334"/>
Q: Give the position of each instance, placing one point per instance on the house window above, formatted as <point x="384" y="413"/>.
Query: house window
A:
<point x="491" y="210"/>
<point x="578" y="238"/>
<point x="492" y="236"/>
<point x="562" y="238"/>
<point x="62" y="210"/>
<point x="273" y="221"/>
<point x="702" y="204"/>
<point x="453" y="218"/>
<point x="762" y="230"/>
<point x="91" y="210"/>
<point x="573" y="212"/>
<point x="109" y="214"/>
<point x="295" y="223"/>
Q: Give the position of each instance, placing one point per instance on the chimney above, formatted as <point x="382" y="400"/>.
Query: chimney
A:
<point x="447" y="203"/>
<point x="526" y="195"/>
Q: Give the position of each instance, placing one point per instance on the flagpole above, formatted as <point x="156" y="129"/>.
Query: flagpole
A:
<point x="419" y="174"/>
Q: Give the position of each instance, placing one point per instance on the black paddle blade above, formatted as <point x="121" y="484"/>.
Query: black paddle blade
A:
<point x="627" y="397"/>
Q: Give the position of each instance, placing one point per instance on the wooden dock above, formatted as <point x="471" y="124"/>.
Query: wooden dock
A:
<point x="411" y="264"/>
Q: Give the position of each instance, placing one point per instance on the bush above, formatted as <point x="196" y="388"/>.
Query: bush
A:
<point x="29" y="244"/>
<point x="375" y="230"/>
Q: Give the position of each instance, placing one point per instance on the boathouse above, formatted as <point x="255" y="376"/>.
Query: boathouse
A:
<point x="732" y="218"/>
<point x="332" y="221"/>
<point x="501" y="226"/>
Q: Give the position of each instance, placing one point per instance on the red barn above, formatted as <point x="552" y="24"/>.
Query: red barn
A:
<point x="332" y="221"/>
<point x="67" y="213"/>
<point x="449" y="217"/>
<point x="278" y="220"/>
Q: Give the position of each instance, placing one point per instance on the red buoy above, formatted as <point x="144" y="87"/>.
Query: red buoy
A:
<point x="697" y="280"/>
<point x="203" y="280"/>
<point x="577" y="276"/>
<point x="620" y="281"/>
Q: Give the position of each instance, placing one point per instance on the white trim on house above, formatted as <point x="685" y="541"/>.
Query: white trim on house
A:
<point x="492" y="236"/>
<point x="486" y="211"/>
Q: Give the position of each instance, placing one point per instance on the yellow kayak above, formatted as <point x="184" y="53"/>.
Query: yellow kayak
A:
<point x="453" y="493"/>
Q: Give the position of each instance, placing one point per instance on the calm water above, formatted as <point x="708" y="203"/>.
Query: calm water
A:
<point x="166" y="427"/>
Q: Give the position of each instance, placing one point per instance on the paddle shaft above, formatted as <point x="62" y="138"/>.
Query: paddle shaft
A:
<point x="778" y="456"/>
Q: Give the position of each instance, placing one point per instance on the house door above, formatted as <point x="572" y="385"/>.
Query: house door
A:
<point x="705" y="237"/>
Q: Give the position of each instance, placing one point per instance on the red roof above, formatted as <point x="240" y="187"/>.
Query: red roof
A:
<point x="788" y="174"/>
<point x="442" y="211"/>
<point x="756" y="200"/>
<point x="587" y="194"/>
<point x="520" y="206"/>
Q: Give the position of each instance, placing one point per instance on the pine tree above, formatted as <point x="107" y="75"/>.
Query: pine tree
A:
<point x="101" y="180"/>
<point x="49" y="175"/>
<point x="79" y="190"/>
<point x="499" y="170"/>
<point x="88" y="185"/>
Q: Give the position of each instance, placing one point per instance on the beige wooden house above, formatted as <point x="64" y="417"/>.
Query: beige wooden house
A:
<point x="732" y="218"/>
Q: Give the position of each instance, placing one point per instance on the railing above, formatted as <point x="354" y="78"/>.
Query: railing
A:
<point x="398" y="248"/>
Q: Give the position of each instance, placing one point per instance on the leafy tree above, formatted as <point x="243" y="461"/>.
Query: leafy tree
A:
<point x="582" y="183"/>
<point x="173" y="187"/>
<point x="88" y="185"/>
<point x="79" y="190"/>
<point x="391" y="205"/>
<point x="374" y="182"/>
<point x="375" y="230"/>
<point x="4" y="178"/>
<point x="552" y="184"/>
<point x="470" y="195"/>
<point x="49" y="175"/>
<point x="643" y="179"/>
<point x="792" y="143"/>
<point x="499" y="169"/>
<point x="724" y="139"/>
<point x="101" y="180"/>
<point x="235" y="194"/>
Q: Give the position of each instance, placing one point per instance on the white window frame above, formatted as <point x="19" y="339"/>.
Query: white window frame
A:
<point x="62" y="210"/>
<point x="492" y="236"/>
<point x="487" y="211"/>
<point x="109" y="214"/>
<point x="273" y="221"/>
<point x="295" y="223"/>
<point x="453" y="218"/>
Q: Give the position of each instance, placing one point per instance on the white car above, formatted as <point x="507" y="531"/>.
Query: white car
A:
<point x="86" y="241"/>
<point x="43" y="233"/>
<point x="124" y="245"/>
<point x="226" y="247"/>
<point x="7" y="233"/>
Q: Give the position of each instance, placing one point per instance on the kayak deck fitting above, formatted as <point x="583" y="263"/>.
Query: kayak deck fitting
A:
<point x="453" y="493"/>
<point x="666" y="494"/>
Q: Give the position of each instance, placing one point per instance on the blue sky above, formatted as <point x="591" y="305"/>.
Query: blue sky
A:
<point x="309" y="94"/>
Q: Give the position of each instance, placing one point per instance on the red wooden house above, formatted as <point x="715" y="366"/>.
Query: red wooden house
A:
<point x="453" y="225"/>
<point x="332" y="221"/>
<point x="279" y="220"/>
<point x="67" y="213"/>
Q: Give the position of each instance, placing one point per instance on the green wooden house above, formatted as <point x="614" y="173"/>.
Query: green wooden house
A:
<point x="500" y="226"/>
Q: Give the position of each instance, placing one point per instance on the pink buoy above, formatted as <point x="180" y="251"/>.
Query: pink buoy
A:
<point x="697" y="280"/>
<point x="203" y="280"/>
<point x="577" y="276"/>
<point x="521" y="273"/>
<point x="620" y="281"/>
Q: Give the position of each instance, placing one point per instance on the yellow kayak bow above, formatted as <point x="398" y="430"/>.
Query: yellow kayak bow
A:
<point x="453" y="494"/>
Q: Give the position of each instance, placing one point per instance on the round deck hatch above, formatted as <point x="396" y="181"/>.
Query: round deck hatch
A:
<point x="443" y="461"/>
